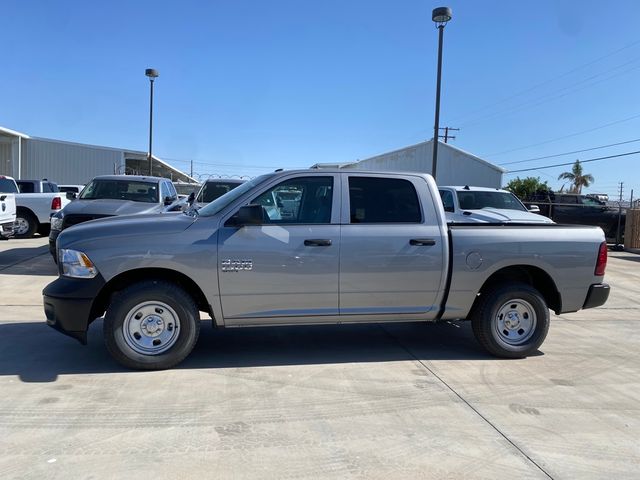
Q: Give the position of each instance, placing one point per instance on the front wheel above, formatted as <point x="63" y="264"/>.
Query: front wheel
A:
<point x="151" y="325"/>
<point x="511" y="320"/>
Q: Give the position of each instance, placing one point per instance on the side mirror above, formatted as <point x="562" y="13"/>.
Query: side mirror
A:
<point x="72" y="195"/>
<point x="247" y="215"/>
<point x="169" y="200"/>
<point x="534" y="209"/>
<point x="191" y="199"/>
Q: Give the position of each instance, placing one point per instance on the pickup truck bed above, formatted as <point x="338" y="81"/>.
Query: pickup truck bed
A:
<point x="348" y="247"/>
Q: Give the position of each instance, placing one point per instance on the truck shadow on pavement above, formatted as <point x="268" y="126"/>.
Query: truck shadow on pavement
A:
<point x="36" y="353"/>
<point x="27" y="261"/>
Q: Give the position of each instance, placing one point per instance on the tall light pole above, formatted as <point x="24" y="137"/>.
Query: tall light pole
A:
<point x="152" y="74"/>
<point x="440" y="16"/>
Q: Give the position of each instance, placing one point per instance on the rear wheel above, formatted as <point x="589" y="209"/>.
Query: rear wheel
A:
<point x="26" y="224"/>
<point x="151" y="325"/>
<point x="511" y="320"/>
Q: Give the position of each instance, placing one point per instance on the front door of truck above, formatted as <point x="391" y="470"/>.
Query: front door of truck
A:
<point x="287" y="266"/>
<point x="391" y="252"/>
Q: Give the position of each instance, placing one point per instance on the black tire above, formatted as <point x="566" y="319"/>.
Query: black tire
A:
<point x="27" y="223"/>
<point x="525" y="311"/>
<point x="125" y="330"/>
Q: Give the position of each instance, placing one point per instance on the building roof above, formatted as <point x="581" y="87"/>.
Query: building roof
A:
<point x="12" y="133"/>
<point x="126" y="151"/>
<point x="440" y="145"/>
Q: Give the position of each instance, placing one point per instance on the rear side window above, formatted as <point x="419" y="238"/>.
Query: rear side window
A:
<point x="26" y="187"/>
<point x="383" y="200"/>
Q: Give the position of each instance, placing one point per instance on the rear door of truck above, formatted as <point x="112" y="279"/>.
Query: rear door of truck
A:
<point x="392" y="253"/>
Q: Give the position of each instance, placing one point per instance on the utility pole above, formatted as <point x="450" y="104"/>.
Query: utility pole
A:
<point x="191" y="170"/>
<point x="446" y="135"/>
<point x="618" y="246"/>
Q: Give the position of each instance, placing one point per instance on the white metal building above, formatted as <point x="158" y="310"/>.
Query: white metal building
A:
<point x="26" y="157"/>
<point x="455" y="166"/>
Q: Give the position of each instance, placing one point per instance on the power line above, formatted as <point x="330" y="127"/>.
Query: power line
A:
<point x="546" y="82"/>
<point x="575" y="134"/>
<point x="571" y="163"/>
<point x="549" y="97"/>
<point x="571" y="153"/>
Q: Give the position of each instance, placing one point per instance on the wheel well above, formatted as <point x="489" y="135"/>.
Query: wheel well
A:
<point x="28" y="211"/>
<point x="534" y="276"/>
<point x="130" y="277"/>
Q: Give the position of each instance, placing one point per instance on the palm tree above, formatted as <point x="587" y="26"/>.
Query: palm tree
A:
<point x="576" y="177"/>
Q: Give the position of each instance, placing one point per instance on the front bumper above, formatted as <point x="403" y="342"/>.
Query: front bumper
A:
<point x="7" y="229"/>
<point x="68" y="302"/>
<point x="597" y="295"/>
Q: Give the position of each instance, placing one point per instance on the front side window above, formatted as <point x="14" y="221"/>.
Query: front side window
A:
<point x="164" y="190"/>
<point x="213" y="190"/>
<point x="305" y="200"/>
<point x="383" y="200"/>
<point x="447" y="200"/>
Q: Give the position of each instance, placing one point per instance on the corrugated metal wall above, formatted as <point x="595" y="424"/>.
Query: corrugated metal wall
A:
<point x="454" y="167"/>
<point x="66" y="163"/>
<point x="6" y="167"/>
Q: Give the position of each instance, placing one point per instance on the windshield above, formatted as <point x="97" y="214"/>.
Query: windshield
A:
<point x="8" y="186"/>
<point x="219" y="203"/>
<point x="476" y="200"/>
<point x="134" y="191"/>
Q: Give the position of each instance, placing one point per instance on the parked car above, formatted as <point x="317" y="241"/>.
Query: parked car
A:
<point x="8" y="192"/>
<point x="34" y="210"/>
<point x="360" y="247"/>
<point x="71" y="188"/>
<point x="213" y="188"/>
<point x="114" y="195"/>
<point x="578" y="209"/>
<point x="486" y="205"/>
<point x="37" y="186"/>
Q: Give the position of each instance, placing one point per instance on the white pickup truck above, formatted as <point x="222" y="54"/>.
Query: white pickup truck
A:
<point x="7" y="208"/>
<point x="485" y="205"/>
<point x="33" y="210"/>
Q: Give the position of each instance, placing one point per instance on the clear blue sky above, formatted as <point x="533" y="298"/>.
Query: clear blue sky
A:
<point x="249" y="86"/>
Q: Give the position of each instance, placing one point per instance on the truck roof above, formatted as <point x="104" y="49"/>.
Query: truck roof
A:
<point x="133" y="178"/>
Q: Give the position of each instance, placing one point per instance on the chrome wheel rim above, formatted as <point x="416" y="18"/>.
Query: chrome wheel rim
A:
<point x="21" y="226"/>
<point x="151" y="328"/>
<point x="515" y="322"/>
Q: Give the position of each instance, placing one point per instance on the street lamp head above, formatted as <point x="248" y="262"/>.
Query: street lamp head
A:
<point x="441" y="16"/>
<point x="151" y="73"/>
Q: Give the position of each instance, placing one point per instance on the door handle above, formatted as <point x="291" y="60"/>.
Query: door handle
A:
<point x="317" y="242"/>
<point x="422" y="242"/>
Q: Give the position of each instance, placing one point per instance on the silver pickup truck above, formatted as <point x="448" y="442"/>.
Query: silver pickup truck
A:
<point x="352" y="247"/>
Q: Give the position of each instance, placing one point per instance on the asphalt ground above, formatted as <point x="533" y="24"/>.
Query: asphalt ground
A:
<point x="399" y="401"/>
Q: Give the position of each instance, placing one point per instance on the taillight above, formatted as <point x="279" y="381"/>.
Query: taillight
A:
<point x="601" y="263"/>
<point x="56" y="203"/>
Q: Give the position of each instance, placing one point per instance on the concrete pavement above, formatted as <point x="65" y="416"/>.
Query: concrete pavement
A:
<point x="365" y="401"/>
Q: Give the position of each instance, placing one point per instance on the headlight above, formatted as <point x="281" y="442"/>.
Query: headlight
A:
<point x="56" y="223"/>
<point x="76" y="264"/>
